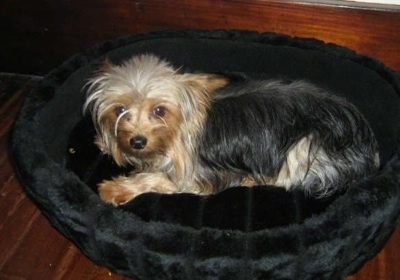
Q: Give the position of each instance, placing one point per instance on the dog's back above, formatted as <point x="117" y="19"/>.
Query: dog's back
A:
<point x="289" y="134"/>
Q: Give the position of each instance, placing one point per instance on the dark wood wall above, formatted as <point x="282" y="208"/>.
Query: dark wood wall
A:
<point x="38" y="35"/>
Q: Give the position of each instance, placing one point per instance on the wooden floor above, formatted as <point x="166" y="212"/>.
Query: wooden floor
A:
<point x="30" y="248"/>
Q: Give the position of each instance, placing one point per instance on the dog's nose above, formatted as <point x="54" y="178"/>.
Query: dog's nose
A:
<point x="138" y="142"/>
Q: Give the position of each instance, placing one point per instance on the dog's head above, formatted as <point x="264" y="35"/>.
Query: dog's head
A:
<point x="143" y="108"/>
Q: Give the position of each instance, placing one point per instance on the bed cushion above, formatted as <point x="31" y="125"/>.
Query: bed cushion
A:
<point x="241" y="233"/>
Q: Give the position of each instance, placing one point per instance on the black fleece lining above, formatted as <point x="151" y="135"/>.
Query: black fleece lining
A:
<point x="240" y="233"/>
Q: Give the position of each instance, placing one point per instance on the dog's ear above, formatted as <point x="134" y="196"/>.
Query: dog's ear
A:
<point x="201" y="88"/>
<point x="208" y="82"/>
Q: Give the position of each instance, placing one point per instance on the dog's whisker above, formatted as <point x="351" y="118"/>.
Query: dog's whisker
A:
<point x="117" y="122"/>
<point x="164" y="122"/>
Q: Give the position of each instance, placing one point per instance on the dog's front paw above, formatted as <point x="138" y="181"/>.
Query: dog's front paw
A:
<point x="115" y="194"/>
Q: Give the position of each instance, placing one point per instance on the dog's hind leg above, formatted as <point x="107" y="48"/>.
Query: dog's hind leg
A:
<point x="296" y="165"/>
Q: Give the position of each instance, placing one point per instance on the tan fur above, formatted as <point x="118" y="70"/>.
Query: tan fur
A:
<point x="123" y="189"/>
<point x="168" y="161"/>
<point x="296" y="166"/>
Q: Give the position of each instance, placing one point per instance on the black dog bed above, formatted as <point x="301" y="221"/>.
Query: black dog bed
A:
<point x="240" y="233"/>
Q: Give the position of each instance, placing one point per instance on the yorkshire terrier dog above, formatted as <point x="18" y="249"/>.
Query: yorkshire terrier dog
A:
<point x="201" y="133"/>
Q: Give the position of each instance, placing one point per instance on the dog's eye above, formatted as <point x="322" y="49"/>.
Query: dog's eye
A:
<point x="119" y="110"/>
<point x="159" y="111"/>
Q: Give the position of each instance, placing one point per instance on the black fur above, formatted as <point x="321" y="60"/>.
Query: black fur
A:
<point x="253" y="124"/>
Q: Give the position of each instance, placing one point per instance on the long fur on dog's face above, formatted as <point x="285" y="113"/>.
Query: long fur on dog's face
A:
<point x="143" y="111"/>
